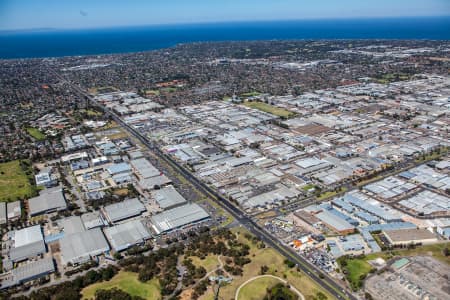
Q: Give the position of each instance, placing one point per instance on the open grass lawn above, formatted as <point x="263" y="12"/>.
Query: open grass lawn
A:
<point x="14" y="183"/>
<point x="127" y="282"/>
<point x="393" y="77"/>
<point x="275" y="262"/>
<point x="257" y="289"/>
<point x="152" y="92"/>
<point x="251" y="94"/>
<point x="356" y="269"/>
<point x="36" y="133"/>
<point x="210" y="262"/>
<point x="169" y="89"/>
<point x="93" y="113"/>
<point x="277" y="111"/>
<point x="308" y="187"/>
<point x="331" y="194"/>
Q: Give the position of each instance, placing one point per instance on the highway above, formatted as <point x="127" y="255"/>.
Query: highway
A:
<point x="312" y="271"/>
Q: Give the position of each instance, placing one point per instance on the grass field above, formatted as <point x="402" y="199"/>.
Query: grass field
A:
<point x="357" y="269"/>
<point x="152" y="92"/>
<point x="14" y="182"/>
<point x="280" y="112"/>
<point x="169" y="89"/>
<point x="393" y="77"/>
<point x="92" y="113"/>
<point x="275" y="262"/>
<point x="251" y="94"/>
<point x="330" y="194"/>
<point x="129" y="283"/>
<point x="209" y="263"/>
<point x="256" y="289"/>
<point x="308" y="187"/>
<point x="36" y="133"/>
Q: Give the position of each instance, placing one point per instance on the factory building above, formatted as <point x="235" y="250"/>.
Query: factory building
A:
<point x="409" y="236"/>
<point x="178" y="217"/>
<point x="168" y="198"/>
<point x="48" y="201"/>
<point x="27" y="242"/>
<point x="80" y="247"/>
<point x="126" y="235"/>
<point x="30" y="271"/>
<point x="123" y="210"/>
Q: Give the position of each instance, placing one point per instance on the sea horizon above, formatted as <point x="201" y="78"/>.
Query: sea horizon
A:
<point x="52" y="42"/>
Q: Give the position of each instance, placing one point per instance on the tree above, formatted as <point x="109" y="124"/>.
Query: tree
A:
<point x="321" y="296"/>
<point x="289" y="263"/>
<point x="264" y="269"/>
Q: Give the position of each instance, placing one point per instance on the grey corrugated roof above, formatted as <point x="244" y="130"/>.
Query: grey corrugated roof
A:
<point x="49" y="199"/>
<point x="178" y="217"/>
<point x="123" y="210"/>
<point x="27" y="235"/>
<point x="27" y="251"/>
<point x="149" y="183"/>
<point x="80" y="246"/>
<point x="2" y="212"/>
<point x="168" y="197"/>
<point x="118" y="168"/>
<point x="127" y="234"/>
<point x="144" y="168"/>
<point x="33" y="269"/>
<point x="92" y="220"/>
<point x="13" y="209"/>
<point x="334" y="221"/>
<point x="72" y="224"/>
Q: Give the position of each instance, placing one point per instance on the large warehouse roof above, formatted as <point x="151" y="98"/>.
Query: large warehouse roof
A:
<point x="178" y="217"/>
<point x="118" y="168"/>
<point x="33" y="269"/>
<point x="123" y="210"/>
<point x="48" y="200"/>
<point x="92" y="220"/>
<point x="2" y="212"/>
<point x="28" y="242"/>
<point x="149" y="183"/>
<point x="168" y="197"/>
<point x="127" y="234"/>
<point x="27" y="236"/>
<point x="334" y="221"/>
<point x="144" y="168"/>
<point x="72" y="224"/>
<point x="79" y="247"/>
<point x="396" y="236"/>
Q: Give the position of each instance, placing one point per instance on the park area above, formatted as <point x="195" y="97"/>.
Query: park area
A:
<point x="127" y="282"/>
<point x="36" y="133"/>
<point x="277" y="111"/>
<point x="276" y="266"/>
<point x="15" y="180"/>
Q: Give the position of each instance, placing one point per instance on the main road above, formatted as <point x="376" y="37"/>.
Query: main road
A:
<point x="312" y="271"/>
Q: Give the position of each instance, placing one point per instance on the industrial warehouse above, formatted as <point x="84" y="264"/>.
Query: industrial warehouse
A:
<point x="178" y="217"/>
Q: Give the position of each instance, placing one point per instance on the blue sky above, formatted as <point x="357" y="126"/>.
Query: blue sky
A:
<point x="32" y="14"/>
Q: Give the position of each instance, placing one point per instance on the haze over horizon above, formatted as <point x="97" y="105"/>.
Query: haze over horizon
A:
<point x="31" y="15"/>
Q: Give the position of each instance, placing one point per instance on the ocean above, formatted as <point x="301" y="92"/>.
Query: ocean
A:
<point x="56" y="43"/>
